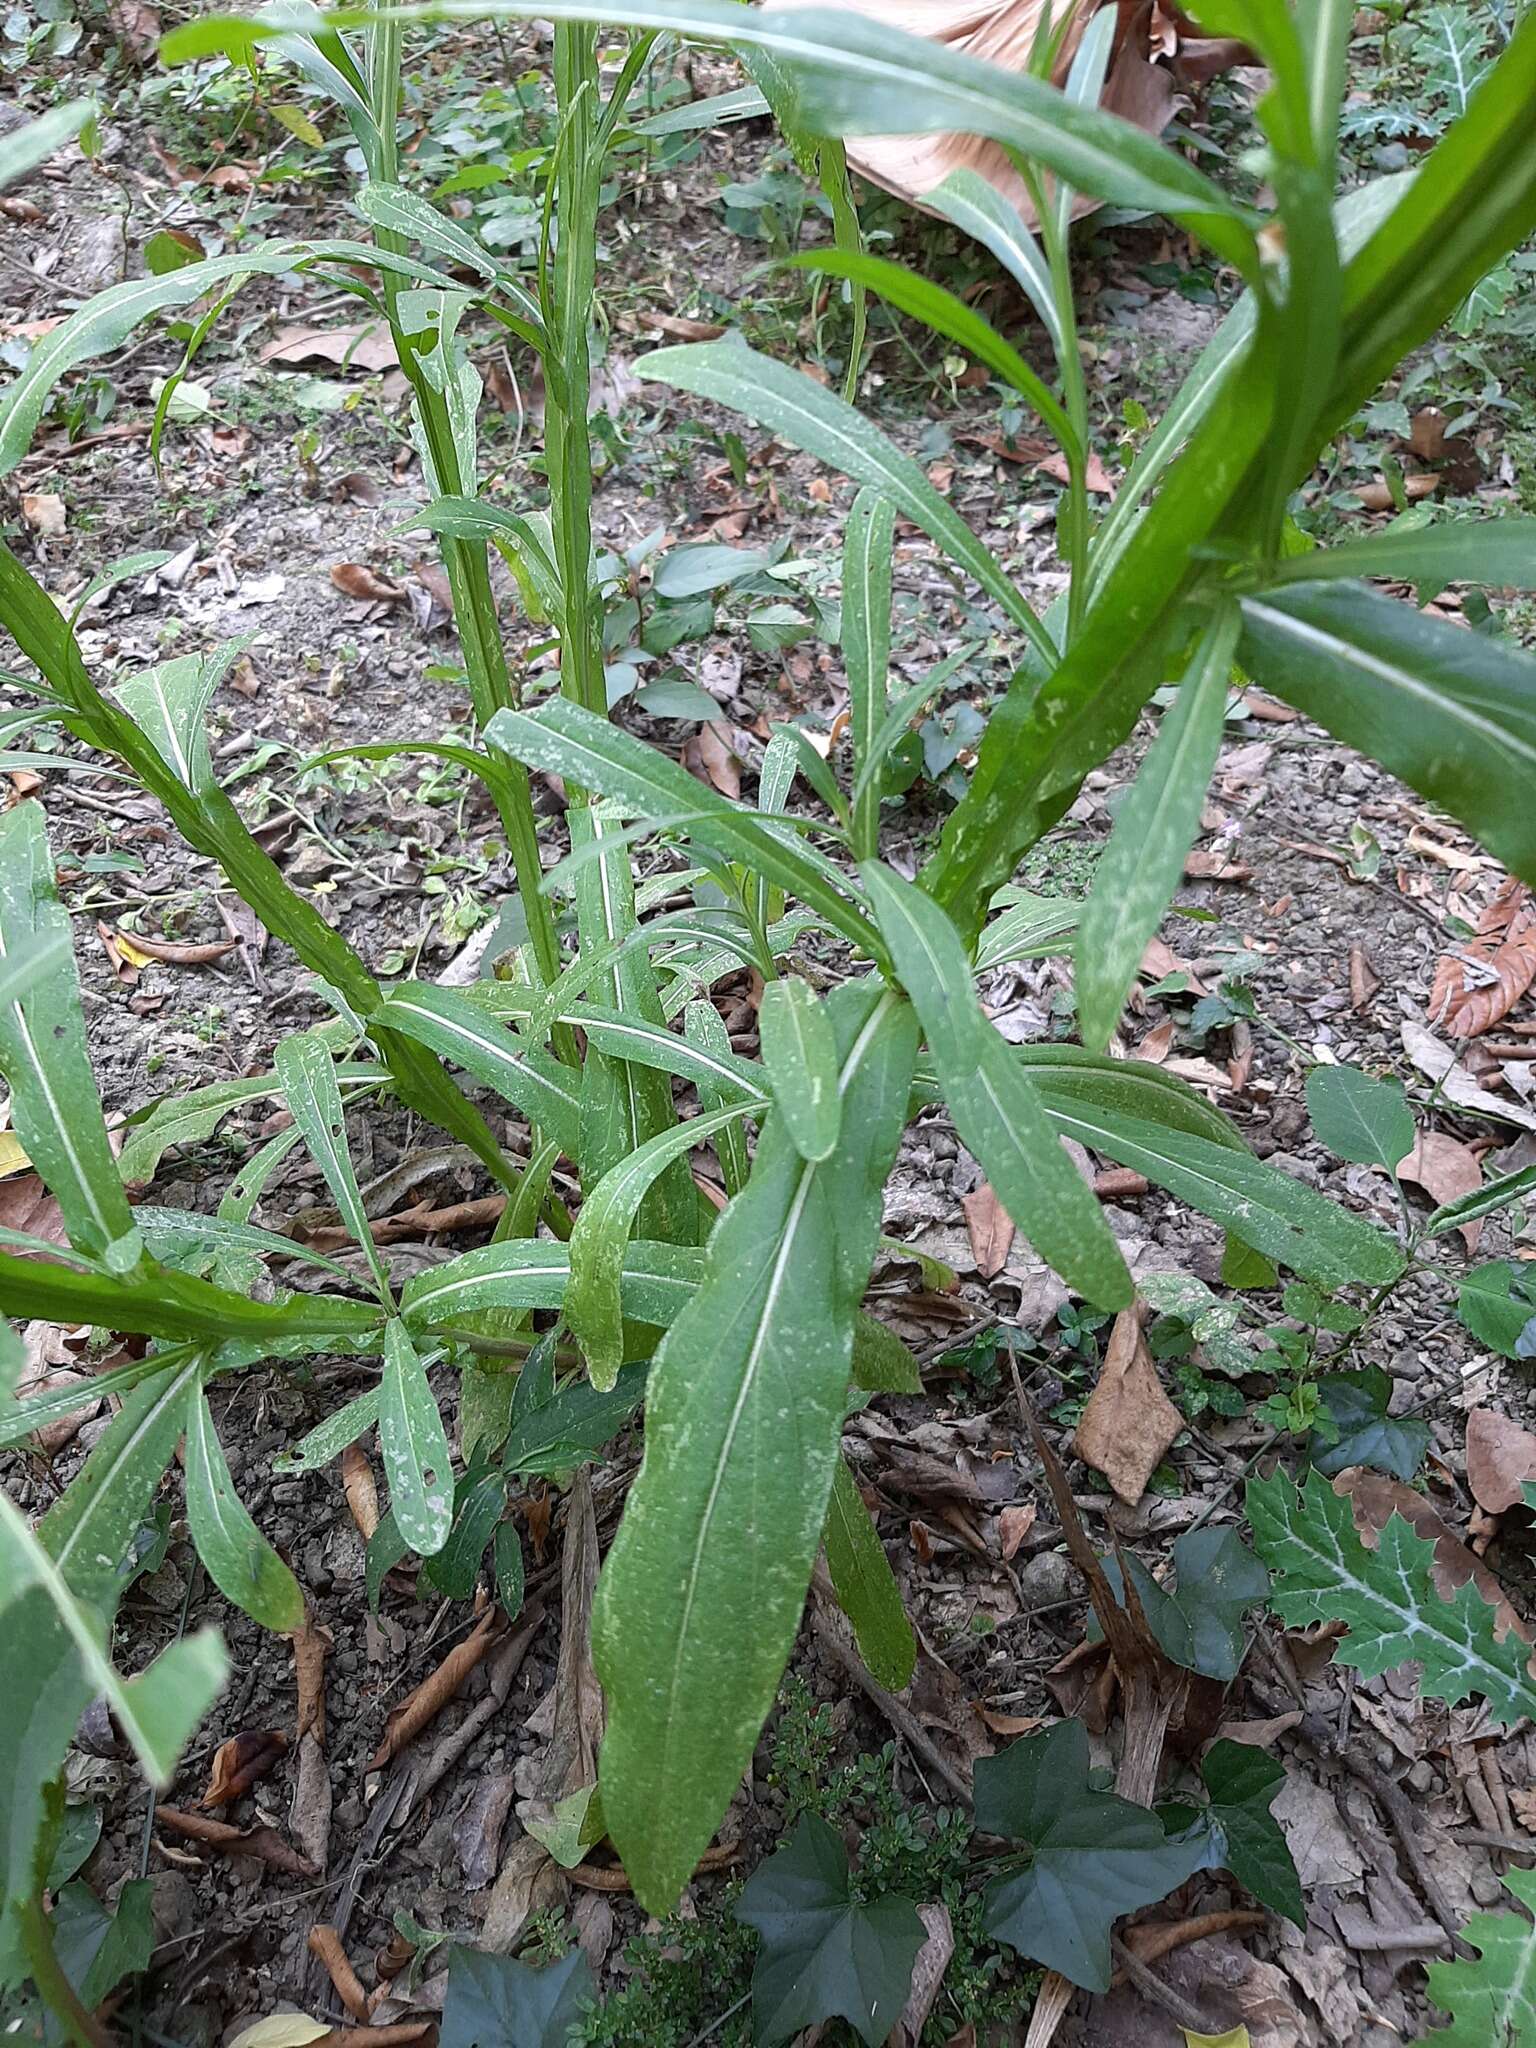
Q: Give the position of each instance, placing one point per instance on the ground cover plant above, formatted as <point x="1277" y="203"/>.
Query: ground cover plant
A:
<point x="742" y="1333"/>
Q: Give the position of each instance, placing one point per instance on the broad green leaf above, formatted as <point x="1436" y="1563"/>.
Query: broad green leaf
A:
<point x="565" y="740"/>
<point x="995" y="1111"/>
<point x="1134" y="879"/>
<point x="1199" y="1624"/>
<point x="417" y="1461"/>
<point x="1094" y="1855"/>
<point x="239" y="1559"/>
<point x="867" y="543"/>
<point x="825" y="1955"/>
<point x="1453" y="713"/>
<point x="1497" y="553"/>
<point x="573" y="1825"/>
<point x="800" y="1056"/>
<point x="1243" y="1782"/>
<point x="1386" y="1596"/>
<point x="796" y="407"/>
<point x="1356" y="1405"/>
<point x="866" y="1589"/>
<point x="97" y="1949"/>
<point x="494" y="2002"/>
<point x="699" y="1600"/>
<point x="1484" y="1201"/>
<point x="157" y="1710"/>
<point x="47" y="1690"/>
<point x="307" y="1075"/>
<point x="594" y="1297"/>
<point x="882" y="1364"/>
<point x="1497" y="1302"/>
<point x="24" y="148"/>
<point x="657" y="1283"/>
<point x="449" y="1023"/>
<point x="1493" y="2000"/>
<point x="1359" y="1117"/>
<point x="55" y="1110"/>
<point x="88" y="1530"/>
<point x="169" y="705"/>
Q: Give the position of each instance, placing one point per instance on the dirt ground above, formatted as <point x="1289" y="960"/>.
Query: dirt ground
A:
<point x="1328" y="894"/>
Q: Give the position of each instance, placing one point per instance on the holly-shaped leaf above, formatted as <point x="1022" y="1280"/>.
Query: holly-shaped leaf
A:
<point x="1492" y="2001"/>
<point x="1386" y="1596"/>
<point x="494" y="2002"/>
<point x="1247" y="1839"/>
<point x="1199" y="1624"/>
<point x="1094" y="1855"/>
<point x="824" y="1955"/>
<point x="1356" y="1403"/>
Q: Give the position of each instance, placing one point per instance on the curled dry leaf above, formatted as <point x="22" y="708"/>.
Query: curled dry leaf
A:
<point x="172" y="952"/>
<point x="361" y="1490"/>
<point x="242" y="1762"/>
<point x="435" y="1691"/>
<point x="711" y="757"/>
<point x="1501" y="1456"/>
<point x="356" y="579"/>
<point x="265" y="1844"/>
<point x="1013" y="1525"/>
<point x="1129" y="1422"/>
<point x="1477" y="984"/>
<point x="368" y="346"/>
<point x="311" y="1644"/>
<point x="991" y="1230"/>
<point x="1445" y="1169"/>
<point x="326" y="1944"/>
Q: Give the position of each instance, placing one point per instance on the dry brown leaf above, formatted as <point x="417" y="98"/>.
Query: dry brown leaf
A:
<point x="361" y="1489"/>
<point x="1363" y="978"/>
<point x="1007" y="1725"/>
<point x="927" y="1974"/>
<point x="367" y="346"/>
<point x="1097" y="479"/>
<point x="326" y="1944"/>
<point x="991" y="1230"/>
<point x="1013" y="1525"/>
<point x="1446" y="1170"/>
<point x="710" y="756"/>
<point x="356" y="579"/>
<point x="1160" y="960"/>
<point x="1374" y="1498"/>
<point x="240" y="1762"/>
<point x="172" y="952"/>
<point x="1500" y="1457"/>
<point x="43" y="512"/>
<point x="1129" y="1422"/>
<point x="1215" y="864"/>
<point x="1378" y="497"/>
<point x="264" y="1843"/>
<point x="1479" y="983"/>
<point x="1457" y="858"/>
<point x="136" y="26"/>
<point x="1269" y="710"/>
<point x="311" y="1644"/>
<point x="683" y="329"/>
<point x="424" y="1705"/>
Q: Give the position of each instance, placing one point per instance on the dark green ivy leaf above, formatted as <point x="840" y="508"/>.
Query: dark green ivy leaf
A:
<point x="1199" y="1624"/>
<point x="1357" y="1406"/>
<point x="1243" y="1783"/>
<point x="494" y="2002"/>
<point x="823" y="1955"/>
<point x="1095" y="1856"/>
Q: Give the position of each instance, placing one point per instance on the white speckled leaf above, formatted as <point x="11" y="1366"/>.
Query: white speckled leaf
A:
<point x="416" y="1457"/>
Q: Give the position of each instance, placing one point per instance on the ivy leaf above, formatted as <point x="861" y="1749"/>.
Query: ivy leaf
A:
<point x="1360" y="1118"/>
<point x="1497" y="1303"/>
<point x="1492" y="2001"/>
<point x="824" y="1955"/>
<point x="1200" y="1623"/>
<point x="1357" y="1406"/>
<point x="1386" y="1596"/>
<point x="494" y="2002"/>
<point x="1243" y="1783"/>
<point x="1095" y="1856"/>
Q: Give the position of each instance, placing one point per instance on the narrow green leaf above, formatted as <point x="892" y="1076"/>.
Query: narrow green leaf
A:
<point x="448" y="1022"/>
<point x="867" y="544"/>
<point x="701" y="1594"/>
<point x="975" y="205"/>
<point x="995" y="1111"/>
<point x="1453" y="713"/>
<point x="1498" y="1194"/>
<point x="1497" y="553"/>
<point x="881" y="1363"/>
<point x="865" y="1586"/>
<point x="188" y="1119"/>
<point x="800" y="1055"/>
<point x="657" y="1283"/>
<point x="55" y="1110"/>
<point x="400" y="212"/>
<point x="307" y="1075"/>
<point x="240" y="1560"/>
<point x="1134" y="880"/>
<point x="706" y="1035"/>
<point x="417" y="1460"/>
<point x="24" y="148"/>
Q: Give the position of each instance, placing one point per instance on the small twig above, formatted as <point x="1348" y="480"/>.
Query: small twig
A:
<point x="613" y="1877"/>
<point x="1151" y="1940"/>
<point x="325" y="1944"/>
<point x="1150" y="1985"/>
<point x="901" y="1718"/>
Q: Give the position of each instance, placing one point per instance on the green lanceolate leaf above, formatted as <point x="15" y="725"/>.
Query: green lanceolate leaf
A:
<point x="1498" y="1194"/>
<point x="400" y="212"/>
<point x="657" y="1282"/>
<point x="824" y="1954"/>
<point x="881" y="1363"/>
<point x="866" y="1589"/>
<point x="417" y="1461"/>
<point x="188" y="1119"/>
<point x="47" y="1690"/>
<point x="562" y="1426"/>
<point x="1386" y="1597"/>
<point x="1492" y="2001"/>
<point x="995" y="1111"/>
<point x="699" y="1600"/>
<point x="1356" y="1405"/>
<point x="449" y="1023"/>
<point x="1359" y="1117"/>
<point x="1134" y="880"/>
<point x="1497" y="1302"/>
<point x="1453" y="713"/>
<point x="239" y="1559"/>
<point x="867" y="545"/>
<point x="594" y="1298"/>
<point x="707" y="1035"/>
<point x="789" y="403"/>
<point x="1500" y="554"/>
<point x="493" y="2001"/>
<point x="479" y="1503"/>
<point x="1094" y="1855"/>
<point x="974" y="203"/>
<point x="55" y="1109"/>
<point x="800" y="1055"/>
<point x="307" y="1075"/>
<point x="31" y="144"/>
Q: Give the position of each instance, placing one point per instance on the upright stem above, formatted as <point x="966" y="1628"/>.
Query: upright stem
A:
<point x="1074" y="392"/>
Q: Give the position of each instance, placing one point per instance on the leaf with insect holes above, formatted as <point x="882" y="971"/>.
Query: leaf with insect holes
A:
<point x="1093" y="1855"/>
<point x="1385" y="1596"/>
<point x="865" y="1586"/>
<point x="824" y="1954"/>
<point x="415" y="1447"/>
<point x="1360" y="1118"/>
<point x="801" y="1058"/>
<point x="55" y="1109"/>
<point x="494" y="2002"/>
<point x="1493" y="2000"/>
<point x="1356" y="1405"/>
<point x="238" y="1558"/>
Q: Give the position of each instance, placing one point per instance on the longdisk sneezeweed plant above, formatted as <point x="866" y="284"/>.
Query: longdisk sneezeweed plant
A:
<point x="743" y="1332"/>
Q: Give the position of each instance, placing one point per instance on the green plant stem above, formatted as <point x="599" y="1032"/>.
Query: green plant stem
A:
<point x="47" y="1973"/>
<point x="1074" y="392"/>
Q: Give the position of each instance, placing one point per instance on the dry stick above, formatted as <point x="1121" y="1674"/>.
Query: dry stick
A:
<point x="901" y="1718"/>
<point x="1150" y="1985"/>
<point x="612" y="1877"/>
<point x="325" y="1944"/>
<point x="1149" y="1941"/>
<point x="505" y="1665"/>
